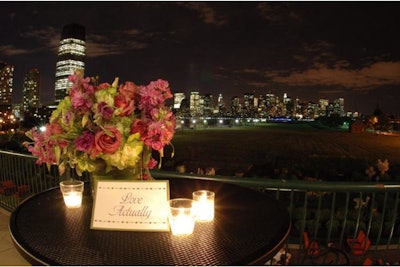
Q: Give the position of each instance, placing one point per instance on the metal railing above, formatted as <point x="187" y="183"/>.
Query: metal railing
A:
<point x="21" y="177"/>
<point x="330" y="212"/>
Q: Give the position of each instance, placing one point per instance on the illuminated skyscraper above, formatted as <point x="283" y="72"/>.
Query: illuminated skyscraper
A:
<point x="195" y="108"/>
<point x="208" y="105"/>
<point x="339" y="107"/>
<point x="31" y="90"/>
<point x="71" y="56"/>
<point x="178" y="97"/>
<point x="6" y="83"/>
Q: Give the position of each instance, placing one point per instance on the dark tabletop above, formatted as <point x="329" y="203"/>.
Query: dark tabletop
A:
<point x="249" y="228"/>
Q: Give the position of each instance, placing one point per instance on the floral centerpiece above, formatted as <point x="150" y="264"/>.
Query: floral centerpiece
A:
<point x="106" y="126"/>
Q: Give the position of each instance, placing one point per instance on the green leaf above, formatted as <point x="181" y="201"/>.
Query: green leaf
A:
<point x="57" y="153"/>
<point x="85" y="120"/>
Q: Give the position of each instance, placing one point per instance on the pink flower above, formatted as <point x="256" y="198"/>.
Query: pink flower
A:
<point x="162" y="86"/>
<point x="154" y="137"/>
<point x="85" y="142"/>
<point x="105" y="111"/>
<point x="126" y="104"/>
<point x="80" y="100"/>
<point x="52" y="129"/>
<point x="150" y="98"/>
<point x="152" y="163"/>
<point x="45" y="144"/>
<point x="107" y="141"/>
<point x="86" y="87"/>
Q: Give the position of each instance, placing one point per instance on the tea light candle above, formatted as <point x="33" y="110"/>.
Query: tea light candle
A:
<point x="181" y="216"/>
<point x="73" y="199"/>
<point x="204" y="205"/>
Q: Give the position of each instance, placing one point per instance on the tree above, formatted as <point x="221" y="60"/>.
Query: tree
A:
<point x="379" y="121"/>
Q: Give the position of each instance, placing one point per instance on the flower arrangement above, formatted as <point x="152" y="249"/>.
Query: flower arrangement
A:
<point x="117" y="125"/>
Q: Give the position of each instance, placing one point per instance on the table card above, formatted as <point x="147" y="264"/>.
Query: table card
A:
<point x="131" y="205"/>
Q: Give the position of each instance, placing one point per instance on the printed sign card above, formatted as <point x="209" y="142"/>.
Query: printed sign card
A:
<point x="131" y="205"/>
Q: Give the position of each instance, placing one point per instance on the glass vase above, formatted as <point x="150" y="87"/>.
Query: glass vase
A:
<point x="135" y="173"/>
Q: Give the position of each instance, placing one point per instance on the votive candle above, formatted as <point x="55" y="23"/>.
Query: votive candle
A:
<point x="72" y="191"/>
<point x="204" y="205"/>
<point x="181" y="216"/>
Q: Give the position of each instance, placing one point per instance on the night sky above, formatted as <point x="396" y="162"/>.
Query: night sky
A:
<point x="308" y="50"/>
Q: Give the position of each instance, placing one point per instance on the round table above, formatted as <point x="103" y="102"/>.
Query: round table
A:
<point x="248" y="229"/>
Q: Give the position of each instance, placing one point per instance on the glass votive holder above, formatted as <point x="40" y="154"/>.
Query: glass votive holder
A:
<point x="181" y="216"/>
<point x="204" y="205"/>
<point x="72" y="191"/>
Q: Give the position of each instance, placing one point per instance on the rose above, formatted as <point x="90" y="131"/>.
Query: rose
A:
<point x="107" y="141"/>
<point x="139" y="126"/>
<point x="129" y="89"/>
<point x="126" y="105"/>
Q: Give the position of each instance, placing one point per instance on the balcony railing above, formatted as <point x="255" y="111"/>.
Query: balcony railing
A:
<point x="329" y="212"/>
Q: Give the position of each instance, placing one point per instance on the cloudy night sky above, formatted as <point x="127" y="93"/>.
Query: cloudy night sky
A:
<point x="309" y="50"/>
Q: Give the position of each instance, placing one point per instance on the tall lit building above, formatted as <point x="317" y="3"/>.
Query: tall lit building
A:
<point x="339" y="107"/>
<point x="322" y="107"/>
<point x="195" y="107"/>
<point x="221" y="103"/>
<point x="235" y="106"/>
<point x="248" y="100"/>
<point x="208" y="105"/>
<point x="178" y="97"/>
<point x="71" y="56"/>
<point x="31" y="88"/>
<point x="6" y="83"/>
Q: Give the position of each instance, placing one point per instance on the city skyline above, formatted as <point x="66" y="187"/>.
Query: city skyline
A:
<point x="309" y="50"/>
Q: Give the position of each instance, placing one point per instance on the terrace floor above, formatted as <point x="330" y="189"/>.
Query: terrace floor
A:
<point x="9" y="256"/>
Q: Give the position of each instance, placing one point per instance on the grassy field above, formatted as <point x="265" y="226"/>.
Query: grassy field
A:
<point x="290" y="151"/>
<point x="277" y="150"/>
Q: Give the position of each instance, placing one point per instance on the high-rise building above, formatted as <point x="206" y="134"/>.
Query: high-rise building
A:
<point x="248" y="101"/>
<point x="235" y="106"/>
<point x="339" y="107"/>
<point x="195" y="107"/>
<point x="31" y="88"/>
<point x="71" y="56"/>
<point x="178" y="97"/>
<point x="6" y="83"/>
<point x="322" y="107"/>
<point x="208" y="105"/>
<point x="221" y="103"/>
